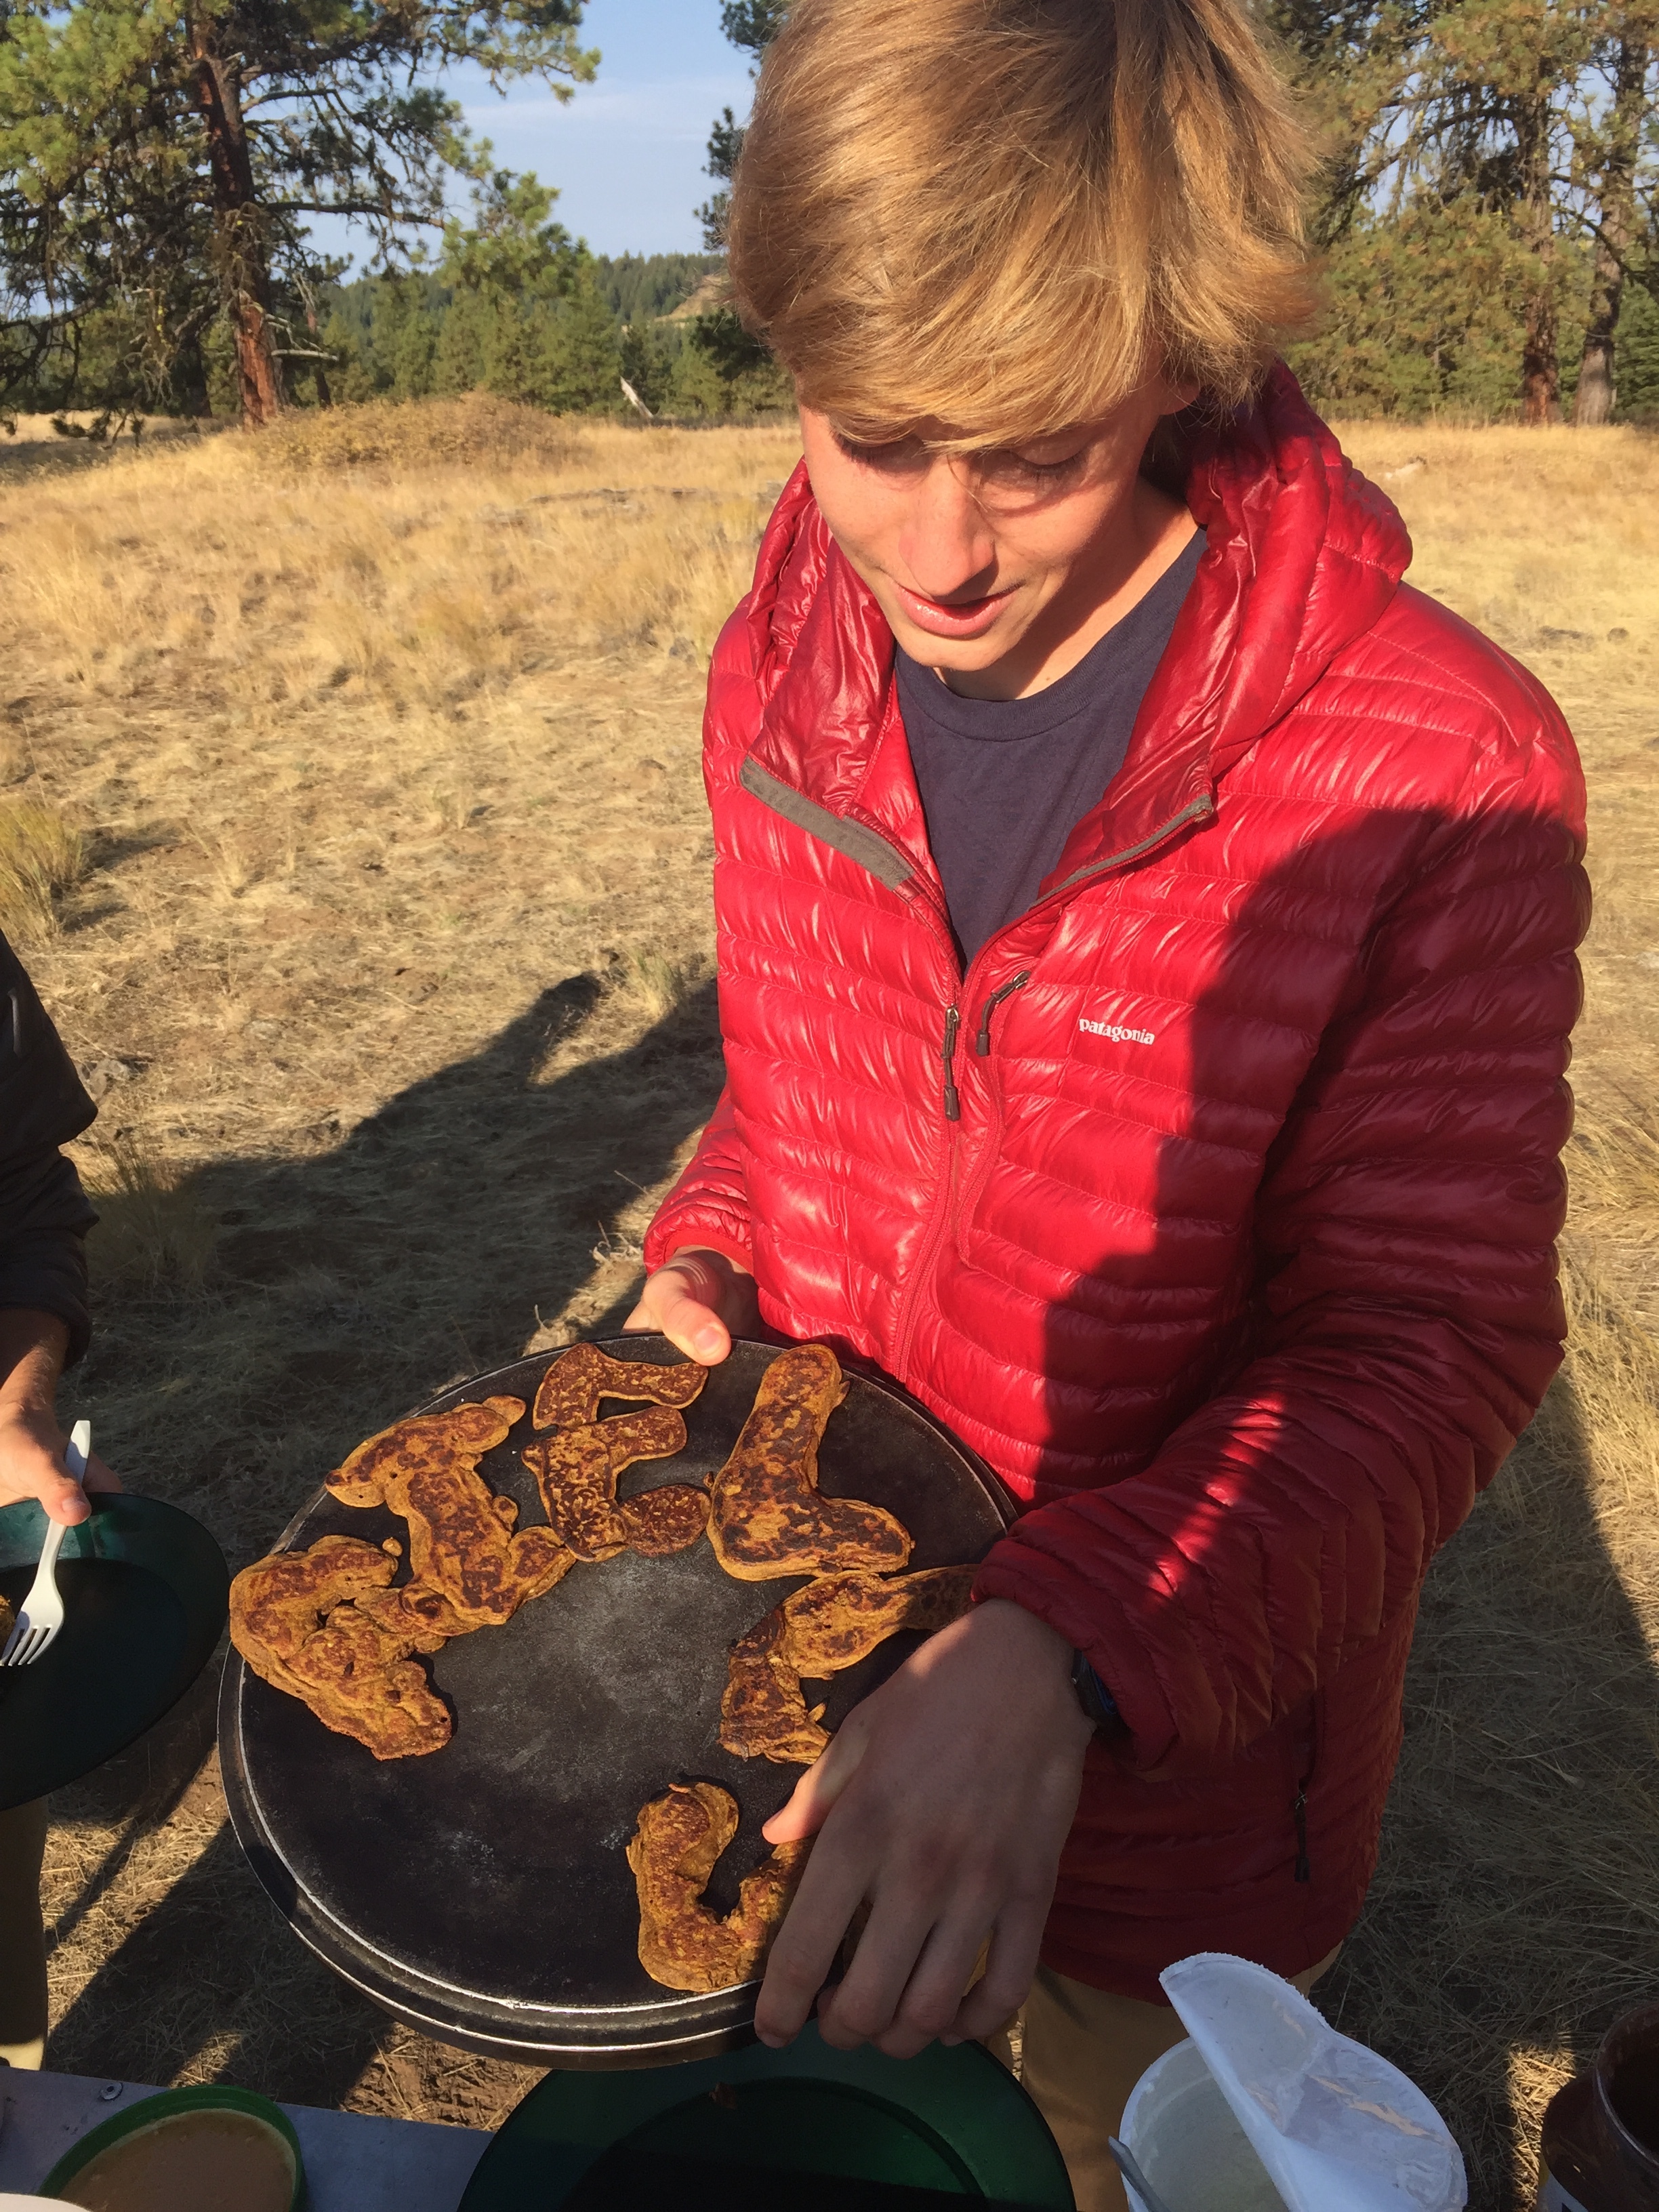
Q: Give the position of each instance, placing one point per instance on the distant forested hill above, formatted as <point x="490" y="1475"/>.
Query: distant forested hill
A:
<point x="555" y="326"/>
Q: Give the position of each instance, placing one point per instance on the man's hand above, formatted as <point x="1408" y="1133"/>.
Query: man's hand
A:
<point x="700" y="1300"/>
<point x="943" y="1802"/>
<point x="31" y="1445"/>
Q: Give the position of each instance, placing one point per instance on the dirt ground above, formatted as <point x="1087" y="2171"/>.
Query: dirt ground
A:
<point x="358" y="846"/>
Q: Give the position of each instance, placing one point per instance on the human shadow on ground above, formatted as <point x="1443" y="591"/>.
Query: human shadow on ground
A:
<point x="1510" y="1916"/>
<point x="1510" y="1919"/>
<point x="345" y="1289"/>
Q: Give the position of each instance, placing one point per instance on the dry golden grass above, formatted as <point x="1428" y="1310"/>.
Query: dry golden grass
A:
<point x="41" y="858"/>
<point x="389" y="962"/>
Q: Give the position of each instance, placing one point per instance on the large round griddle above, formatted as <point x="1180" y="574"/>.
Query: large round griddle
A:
<point x="481" y="1892"/>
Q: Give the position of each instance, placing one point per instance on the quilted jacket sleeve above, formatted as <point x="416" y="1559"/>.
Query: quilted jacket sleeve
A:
<point x="709" y="1204"/>
<point x="44" y="1212"/>
<point x="1408" y="1321"/>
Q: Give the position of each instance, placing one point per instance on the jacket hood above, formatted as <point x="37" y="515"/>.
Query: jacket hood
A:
<point x="1303" y="555"/>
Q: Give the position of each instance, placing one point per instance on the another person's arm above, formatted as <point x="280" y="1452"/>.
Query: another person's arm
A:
<point x="44" y="1217"/>
<point x="32" y="1444"/>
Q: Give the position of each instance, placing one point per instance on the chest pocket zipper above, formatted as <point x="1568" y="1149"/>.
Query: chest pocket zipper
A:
<point x="982" y="1040"/>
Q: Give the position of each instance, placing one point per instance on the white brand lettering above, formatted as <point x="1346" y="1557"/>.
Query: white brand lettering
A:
<point x="1117" y="1033"/>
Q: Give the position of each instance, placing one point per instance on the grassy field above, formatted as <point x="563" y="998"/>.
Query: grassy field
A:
<point x="350" y="822"/>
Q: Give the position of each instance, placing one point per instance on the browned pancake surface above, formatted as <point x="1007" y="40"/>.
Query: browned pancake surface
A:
<point x="766" y="1516"/>
<point x="426" y="1468"/>
<point x="837" y="1621"/>
<point x="672" y="1852"/>
<point x="669" y="1518"/>
<point x="762" y="1712"/>
<point x="576" y="1470"/>
<point x="572" y="1386"/>
<point x="831" y="1624"/>
<point x="292" y="1620"/>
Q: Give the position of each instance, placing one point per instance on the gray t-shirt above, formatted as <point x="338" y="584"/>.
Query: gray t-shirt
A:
<point x="1004" y="782"/>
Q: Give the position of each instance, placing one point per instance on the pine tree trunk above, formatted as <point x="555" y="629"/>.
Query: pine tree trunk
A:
<point x="1593" y="401"/>
<point x="1541" y="373"/>
<point x="240" y="246"/>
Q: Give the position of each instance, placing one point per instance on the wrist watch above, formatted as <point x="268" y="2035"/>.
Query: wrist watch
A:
<point x="1092" y="1695"/>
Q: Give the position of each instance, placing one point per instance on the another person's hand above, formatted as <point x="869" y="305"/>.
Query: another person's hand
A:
<point x="943" y="1803"/>
<point x="32" y="1445"/>
<point x="699" y="1300"/>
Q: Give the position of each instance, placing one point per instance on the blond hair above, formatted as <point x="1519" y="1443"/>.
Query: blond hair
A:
<point x="1000" y="216"/>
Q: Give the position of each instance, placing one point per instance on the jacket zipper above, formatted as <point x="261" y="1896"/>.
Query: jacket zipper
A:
<point x="982" y="1042"/>
<point x="1304" y="1867"/>
<point x="948" y="1054"/>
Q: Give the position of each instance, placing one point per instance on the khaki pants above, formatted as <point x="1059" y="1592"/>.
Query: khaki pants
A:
<point x="23" y="1940"/>
<point x="1082" y="2052"/>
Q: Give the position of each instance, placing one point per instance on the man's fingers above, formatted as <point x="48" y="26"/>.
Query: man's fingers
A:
<point x="1010" y="1969"/>
<point x="865" y="2007"/>
<point x="62" y="1498"/>
<point x="99" y="1476"/>
<point x="672" y="1302"/>
<point x="804" y="1955"/>
<point x="695" y="1328"/>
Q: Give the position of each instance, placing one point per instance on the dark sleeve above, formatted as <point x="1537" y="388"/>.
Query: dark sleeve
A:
<point x="44" y="1212"/>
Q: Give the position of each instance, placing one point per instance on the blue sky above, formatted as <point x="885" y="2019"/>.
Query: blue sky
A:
<point x="627" y="152"/>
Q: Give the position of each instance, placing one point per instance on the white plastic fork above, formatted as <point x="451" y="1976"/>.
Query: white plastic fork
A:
<point x="42" y="1615"/>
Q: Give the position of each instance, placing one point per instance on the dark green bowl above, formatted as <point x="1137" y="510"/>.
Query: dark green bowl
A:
<point x="145" y="1590"/>
<point x="805" y="2129"/>
<point x="208" y="2097"/>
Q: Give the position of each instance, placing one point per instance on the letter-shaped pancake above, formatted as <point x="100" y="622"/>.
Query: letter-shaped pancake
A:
<point x="767" y="1518"/>
<point x="292" y="1619"/>
<point x="762" y="1712"/>
<point x="572" y="1386"/>
<point x="459" y="1544"/>
<point x="576" y="1471"/>
<point x="672" y="1852"/>
<point x="837" y="1621"/>
<point x="831" y="1624"/>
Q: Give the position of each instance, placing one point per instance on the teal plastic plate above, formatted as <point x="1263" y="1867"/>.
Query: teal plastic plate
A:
<point x="796" y="2130"/>
<point x="145" y="1591"/>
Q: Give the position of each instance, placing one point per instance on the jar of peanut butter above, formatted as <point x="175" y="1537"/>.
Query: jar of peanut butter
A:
<point x="1601" y="2149"/>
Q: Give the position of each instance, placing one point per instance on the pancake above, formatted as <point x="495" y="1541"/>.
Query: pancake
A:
<point x="576" y="1471"/>
<point x="831" y="1625"/>
<point x="672" y="1852"/>
<point x="762" y="1712"/>
<point x="766" y="1518"/>
<point x="572" y="1386"/>
<point x="670" y="1518"/>
<point x="461" y="1543"/>
<point x="292" y="1620"/>
<point x="839" y="1619"/>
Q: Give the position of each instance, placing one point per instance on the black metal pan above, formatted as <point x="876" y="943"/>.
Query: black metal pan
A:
<point x="481" y="1892"/>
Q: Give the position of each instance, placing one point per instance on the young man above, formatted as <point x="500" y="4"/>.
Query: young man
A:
<point x="1146" y="940"/>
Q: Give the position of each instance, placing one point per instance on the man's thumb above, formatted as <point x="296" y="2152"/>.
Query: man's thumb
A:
<point x="817" y="1791"/>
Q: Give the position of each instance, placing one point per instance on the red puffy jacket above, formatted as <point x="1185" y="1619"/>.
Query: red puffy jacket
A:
<point x="1215" y="1204"/>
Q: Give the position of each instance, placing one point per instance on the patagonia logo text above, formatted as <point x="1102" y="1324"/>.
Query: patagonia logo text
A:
<point x="1117" y="1032"/>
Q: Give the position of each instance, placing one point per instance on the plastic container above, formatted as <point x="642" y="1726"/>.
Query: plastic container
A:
<point x="1318" y="2123"/>
<point x="1600" y="2147"/>
<point x="1188" y="2145"/>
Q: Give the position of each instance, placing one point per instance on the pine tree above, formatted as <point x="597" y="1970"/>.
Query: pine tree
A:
<point x="158" y="159"/>
<point x="751" y="26"/>
<point x="1612" y="156"/>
